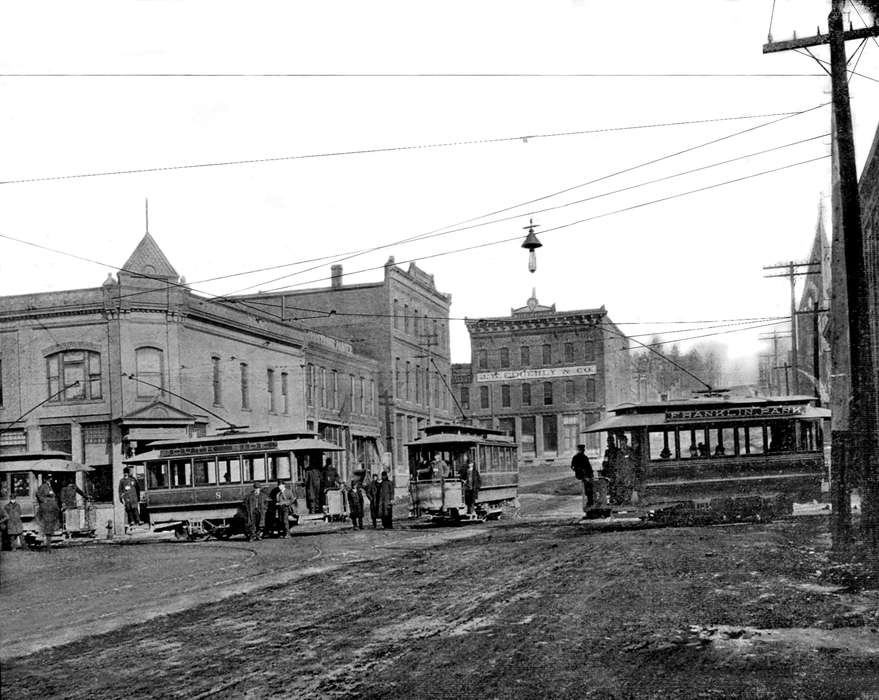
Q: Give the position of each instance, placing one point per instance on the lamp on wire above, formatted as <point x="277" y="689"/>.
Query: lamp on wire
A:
<point x="531" y="244"/>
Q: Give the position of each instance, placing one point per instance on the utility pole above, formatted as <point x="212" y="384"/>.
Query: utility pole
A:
<point x="786" y="367"/>
<point x="774" y="337"/>
<point x="429" y="341"/>
<point x="792" y="273"/>
<point x="766" y="364"/>
<point x="857" y="445"/>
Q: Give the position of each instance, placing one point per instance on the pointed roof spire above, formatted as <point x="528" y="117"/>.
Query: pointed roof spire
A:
<point x="146" y="204"/>
<point x="148" y="259"/>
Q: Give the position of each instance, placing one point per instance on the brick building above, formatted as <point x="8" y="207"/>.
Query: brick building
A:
<point x="543" y="376"/>
<point x="99" y="372"/>
<point x="403" y="323"/>
<point x="869" y="192"/>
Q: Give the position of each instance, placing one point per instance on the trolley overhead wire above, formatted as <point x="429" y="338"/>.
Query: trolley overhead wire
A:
<point x="381" y="149"/>
<point x="409" y="75"/>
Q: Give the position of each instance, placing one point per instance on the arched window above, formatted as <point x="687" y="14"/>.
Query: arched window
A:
<point x="74" y="375"/>
<point x="148" y="364"/>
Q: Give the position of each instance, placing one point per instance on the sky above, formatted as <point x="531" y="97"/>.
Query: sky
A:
<point x="446" y="149"/>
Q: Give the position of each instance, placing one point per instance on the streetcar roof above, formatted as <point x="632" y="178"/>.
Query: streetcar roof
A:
<point x="56" y="462"/>
<point x="458" y="439"/>
<point x="170" y="449"/>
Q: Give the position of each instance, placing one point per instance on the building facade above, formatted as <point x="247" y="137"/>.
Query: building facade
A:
<point x="402" y="322"/>
<point x="100" y="372"/>
<point x="544" y="376"/>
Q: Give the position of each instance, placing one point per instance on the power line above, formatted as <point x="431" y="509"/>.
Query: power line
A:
<point x="411" y="75"/>
<point x="566" y="225"/>
<point x="383" y="149"/>
<point x="465" y="222"/>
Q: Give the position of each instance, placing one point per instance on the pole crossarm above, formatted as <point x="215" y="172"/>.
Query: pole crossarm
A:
<point x="819" y="39"/>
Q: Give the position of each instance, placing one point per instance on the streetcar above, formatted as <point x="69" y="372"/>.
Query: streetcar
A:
<point x="21" y="474"/>
<point x="195" y="487"/>
<point x="716" y="457"/>
<point x="438" y="466"/>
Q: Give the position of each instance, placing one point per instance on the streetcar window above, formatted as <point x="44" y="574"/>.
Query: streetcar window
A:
<point x="181" y="473"/>
<point x="723" y="442"/>
<point x="279" y="466"/>
<point x="205" y="471"/>
<point x="483" y="462"/>
<point x="4" y="486"/>
<point x="754" y="437"/>
<point x="21" y="484"/>
<point x="255" y="468"/>
<point x="157" y="475"/>
<point x="660" y="445"/>
<point x="229" y="469"/>
<point x="782" y="438"/>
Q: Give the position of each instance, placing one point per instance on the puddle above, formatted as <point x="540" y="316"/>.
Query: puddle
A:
<point x="859" y="640"/>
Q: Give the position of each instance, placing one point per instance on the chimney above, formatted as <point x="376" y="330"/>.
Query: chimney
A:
<point x="336" y="276"/>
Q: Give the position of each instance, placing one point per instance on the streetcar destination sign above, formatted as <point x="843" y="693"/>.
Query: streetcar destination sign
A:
<point x="211" y="449"/>
<point x="734" y="412"/>
<point x="544" y="373"/>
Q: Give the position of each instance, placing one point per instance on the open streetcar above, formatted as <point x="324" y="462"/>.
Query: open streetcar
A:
<point x="716" y="457"/>
<point x="196" y="486"/>
<point x="463" y="472"/>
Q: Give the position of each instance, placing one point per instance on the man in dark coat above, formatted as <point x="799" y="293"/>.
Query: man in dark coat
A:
<point x="386" y="501"/>
<point x="129" y="495"/>
<point x="583" y="471"/>
<point x="313" y="493"/>
<point x="14" y="526"/>
<point x="355" y="504"/>
<point x="254" y="512"/>
<point x="371" y="489"/>
<point x="48" y="512"/>
<point x="472" y="482"/>
<point x="283" y="503"/>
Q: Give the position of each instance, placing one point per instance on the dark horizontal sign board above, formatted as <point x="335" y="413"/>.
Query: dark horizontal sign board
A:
<point x="212" y="449"/>
<point x="732" y="412"/>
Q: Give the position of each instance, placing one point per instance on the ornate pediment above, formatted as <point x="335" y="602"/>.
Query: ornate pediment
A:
<point x="157" y="413"/>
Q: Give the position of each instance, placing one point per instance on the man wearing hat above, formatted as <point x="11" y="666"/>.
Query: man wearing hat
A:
<point x="129" y="496"/>
<point x="254" y="512"/>
<point x="583" y="471"/>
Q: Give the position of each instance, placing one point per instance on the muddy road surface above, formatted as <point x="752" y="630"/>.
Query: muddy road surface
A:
<point x="523" y="609"/>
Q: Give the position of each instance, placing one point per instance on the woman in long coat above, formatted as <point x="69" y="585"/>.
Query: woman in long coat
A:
<point x="48" y="512"/>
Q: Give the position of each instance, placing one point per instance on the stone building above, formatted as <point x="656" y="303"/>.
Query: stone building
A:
<point x="100" y="372"/>
<point x="543" y="376"/>
<point x="403" y="323"/>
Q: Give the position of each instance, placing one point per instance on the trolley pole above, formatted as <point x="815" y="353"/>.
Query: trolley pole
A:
<point x="857" y="445"/>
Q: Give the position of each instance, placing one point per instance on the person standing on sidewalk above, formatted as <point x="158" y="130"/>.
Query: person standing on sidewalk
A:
<point x="371" y="488"/>
<point x="129" y="496"/>
<point x="386" y="501"/>
<point x="283" y="503"/>
<point x="583" y="471"/>
<point x="48" y="512"/>
<point x="254" y="512"/>
<point x="355" y="504"/>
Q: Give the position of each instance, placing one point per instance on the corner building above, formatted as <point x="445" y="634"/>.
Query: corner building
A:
<point x="402" y="322"/>
<point x="101" y="372"/>
<point x="544" y="376"/>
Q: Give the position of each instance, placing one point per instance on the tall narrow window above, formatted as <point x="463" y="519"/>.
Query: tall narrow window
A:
<point x="334" y="393"/>
<point x="483" y="358"/>
<point x="270" y="385"/>
<point x="526" y="394"/>
<point x="406" y="318"/>
<point x="74" y="375"/>
<point x="465" y="397"/>
<point x="245" y="386"/>
<point x="569" y="391"/>
<point x="590" y="389"/>
<point x="408" y="393"/>
<point x="589" y="351"/>
<point x="505" y="357"/>
<point x="569" y="352"/>
<point x="525" y="355"/>
<point x="547" y="354"/>
<point x="505" y="395"/>
<point x="309" y="385"/>
<point x="285" y="396"/>
<point x="547" y="393"/>
<point x="372" y="406"/>
<point x="398" y="377"/>
<point x="396" y="314"/>
<point x="323" y="387"/>
<point x="483" y="397"/>
<point x="215" y="381"/>
<point x="361" y="396"/>
<point x="148" y="370"/>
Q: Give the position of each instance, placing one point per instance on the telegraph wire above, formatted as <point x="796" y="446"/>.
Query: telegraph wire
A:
<point x="380" y="149"/>
<point x="411" y="75"/>
<point x="466" y="222"/>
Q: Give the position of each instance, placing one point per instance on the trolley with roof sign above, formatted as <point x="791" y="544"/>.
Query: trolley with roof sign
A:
<point x="195" y="487"/>
<point x="716" y="457"/>
<point x="438" y="472"/>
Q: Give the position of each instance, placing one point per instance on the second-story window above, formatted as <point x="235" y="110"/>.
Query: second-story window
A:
<point x="569" y="352"/>
<point x="215" y="381"/>
<point x="309" y="385"/>
<point x="505" y="357"/>
<point x="270" y="385"/>
<point x="547" y="393"/>
<point x="148" y="370"/>
<point x="483" y="397"/>
<point x="285" y="396"/>
<point x="526" y="394"/>
<point x="547" y="354"/>
<point x="569" y="391"/>
<point x="465" y="397"/>
<point x="74" y="375"/>
<point x="589" y="351"/>
<point x="245" y="386"/>
<point x="406" y="318"/>
<point x="525" y="355"/>
<point x="505" y="395"/>
<point x="483" y="358"/>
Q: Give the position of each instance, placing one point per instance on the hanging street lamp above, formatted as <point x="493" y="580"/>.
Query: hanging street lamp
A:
<point x="531" y="244"/>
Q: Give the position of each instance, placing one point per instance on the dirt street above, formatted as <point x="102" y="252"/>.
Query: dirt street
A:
<point x="524" y="608"/>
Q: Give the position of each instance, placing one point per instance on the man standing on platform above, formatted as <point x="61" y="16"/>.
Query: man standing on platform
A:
<point x="583" y="471"/>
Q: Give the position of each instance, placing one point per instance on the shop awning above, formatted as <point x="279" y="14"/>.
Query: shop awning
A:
<point x="51" y="464"/>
